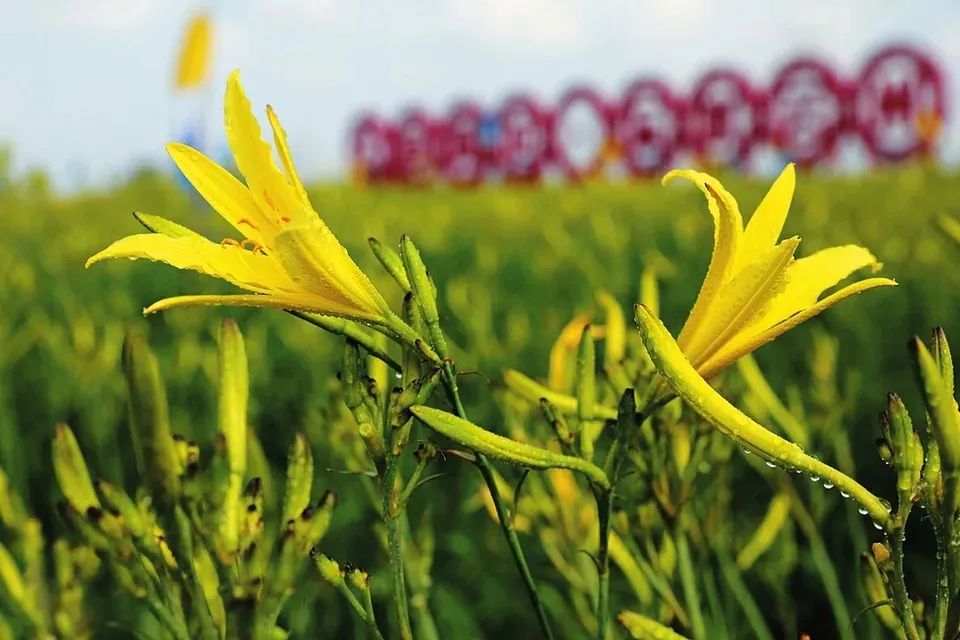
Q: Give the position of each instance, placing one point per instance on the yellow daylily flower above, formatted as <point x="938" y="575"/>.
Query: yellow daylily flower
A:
<point x="754" y="289"/>
<point x="288" y="258"/>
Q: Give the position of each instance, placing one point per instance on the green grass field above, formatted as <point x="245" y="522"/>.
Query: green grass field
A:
<point x="512" y="266"/>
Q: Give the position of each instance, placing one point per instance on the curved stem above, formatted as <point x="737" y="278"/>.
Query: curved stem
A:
<point x="450" y="381"/>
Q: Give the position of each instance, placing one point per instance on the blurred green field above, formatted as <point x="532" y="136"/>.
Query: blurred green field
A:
<point x="513" y="265"/>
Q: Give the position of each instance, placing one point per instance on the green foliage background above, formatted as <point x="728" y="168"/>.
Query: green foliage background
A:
<point x="512" y="266"/>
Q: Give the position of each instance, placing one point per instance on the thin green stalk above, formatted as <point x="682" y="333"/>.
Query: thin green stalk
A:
<point x="363" y="611"/>
<point x="506" y="523"/>
<point x="898" y="585"/>
<point x="688" y="580"/>
<point x="735" y="583"/>
<point x="604" y="508"/>
<point x="942" y="596"/>
<point x="821" y="559"/>
<point x="395" y="546"/>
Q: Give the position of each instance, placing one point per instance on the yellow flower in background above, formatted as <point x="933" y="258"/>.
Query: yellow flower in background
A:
<point x="288" y="258"/>
<point x="754" y="289"/>
<point x="193" y="63"/>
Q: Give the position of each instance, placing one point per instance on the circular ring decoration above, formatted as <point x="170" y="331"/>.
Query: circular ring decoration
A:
<point x="805" y="111"/>
<point x="373" y="149"/>
<point x="582" y="127"/>
<point x="900" y="103"/>
<point x="722" y="118"/>
<point x="524" y="139"/>
<point x="462" y="148"/>
<point x="648" y="127"/>
<point x="419" y="146"/>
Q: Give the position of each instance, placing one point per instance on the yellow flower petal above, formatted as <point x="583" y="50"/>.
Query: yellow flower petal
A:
<point x="727" y="233"/>
<point x="742" y="299"/>
<point x="240" y="267"/>
<point x="315" y="259"/>
<point x="566" y="341"/>
<point x="811" y="276"/>
<point x="283" y="150"/>
<point x="302" y="302"/>
<point x="734" y="424"/>
<point x="227" y="195"/>
<point x="275" y="196"/>
<point x="747" y="342"/>
<point x="764" y="227"/>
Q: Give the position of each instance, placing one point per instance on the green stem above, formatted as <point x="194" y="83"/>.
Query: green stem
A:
<point x="506" y="525"/>
<point x="395" y="545"/>
<point x="942" y="597"/>
<point x="690" y="595"/>
<point x="898" y="584"/>
<point x="604" y="508"/>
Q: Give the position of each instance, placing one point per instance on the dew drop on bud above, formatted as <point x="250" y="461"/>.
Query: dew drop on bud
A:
<point x="769" y="464"/>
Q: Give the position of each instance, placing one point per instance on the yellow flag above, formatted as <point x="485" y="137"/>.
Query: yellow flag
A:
<point x="193" y="65"/>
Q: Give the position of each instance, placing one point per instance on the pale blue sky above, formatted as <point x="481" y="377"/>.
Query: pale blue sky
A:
<point x="86" y="85"/>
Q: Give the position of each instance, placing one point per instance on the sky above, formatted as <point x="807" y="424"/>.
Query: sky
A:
<point x="87" y="86"/>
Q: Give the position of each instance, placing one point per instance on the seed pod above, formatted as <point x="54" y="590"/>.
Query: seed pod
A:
<point x="299" y="478"/>
<point x="153" y="444"/>
<point x="71" y="470"/>
<point x="424" y="293"/>
<point x="494" y="445"/>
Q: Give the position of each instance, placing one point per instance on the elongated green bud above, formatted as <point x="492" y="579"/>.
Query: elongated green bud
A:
<point x="12" y="512"/>
<point x="586" y="376"/>
<point x="71" y="470"/>
<point x="234" y="393"/>
<point x="118" y="500"/>
<point x="766" y="533"/>
<point x="644" y="628"/>
<point x="533" y="391"/>
<point x="329" y="569"/>
<point x="941" y="353"/>
<point x="424" y="293"/>
<point x="352" y="376"/>
<point x="351" y="330"/>
<point x="876" y="591"/>
<point x="494" y="445"/>
<point x="673" y="365"/>
<point x="153" y="443"/>
<point x="944" y="421"/>
<point x="209" y="579"/>
<point x="232" y="422"/>
<point x="299" y="478"/>
<point x="391" y="261"/>
<point x="905" y="445"/>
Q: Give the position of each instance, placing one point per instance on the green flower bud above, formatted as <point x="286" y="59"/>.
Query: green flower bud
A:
<point x="299" y="478"/>
<point x="155" y="451"/>
<point x="424" y="292"/>
<point x="71" y="471"/>
<point x="329" y="569"/>
<point x="391" y="261"/>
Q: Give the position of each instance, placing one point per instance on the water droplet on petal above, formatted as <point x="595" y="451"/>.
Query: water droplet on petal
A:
<point x="769" y="464"/>
<point x="861" y="511"/>
<point x="827" y="485"/>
